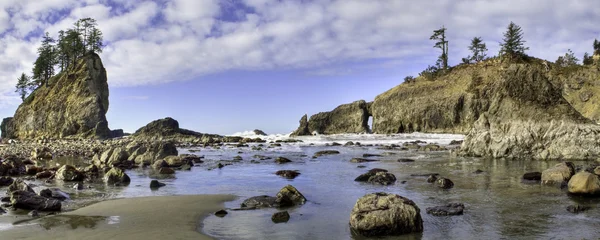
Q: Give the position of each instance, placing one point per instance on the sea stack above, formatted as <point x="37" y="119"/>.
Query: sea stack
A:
<point x="73" y="104"/>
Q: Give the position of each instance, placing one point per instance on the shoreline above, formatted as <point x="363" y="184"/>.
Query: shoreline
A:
<point x="162" y="217"/>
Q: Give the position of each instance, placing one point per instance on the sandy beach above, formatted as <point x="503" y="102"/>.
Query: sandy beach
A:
<point x="164" y="217"/>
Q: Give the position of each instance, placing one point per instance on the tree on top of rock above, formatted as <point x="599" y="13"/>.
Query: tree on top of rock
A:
<point x="442" y="43"/>
<point x="513" y="45"/>
<point x="596" y="47"/>
<point x="478" y="49"/>
<point x="587" y="59"/>
<point x="567" y="60"/>
<point x="23" y="83"/>
<point x="43" y="67"/>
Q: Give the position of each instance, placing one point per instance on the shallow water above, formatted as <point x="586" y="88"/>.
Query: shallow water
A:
<point x="498" y="205"/>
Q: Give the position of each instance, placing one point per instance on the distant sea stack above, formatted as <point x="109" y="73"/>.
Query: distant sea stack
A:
<point x="74" y="104"/>
<point x="346" y="118"/>
<point x="168" y="129"/>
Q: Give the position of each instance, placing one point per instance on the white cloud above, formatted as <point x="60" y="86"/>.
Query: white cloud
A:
<point x="154" y="42"/>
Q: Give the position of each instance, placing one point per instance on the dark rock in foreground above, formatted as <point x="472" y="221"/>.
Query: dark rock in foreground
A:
<point x="377" y="176"/>
<point x="280" y="217"/>
<point x="447" y="210"/>
<point x="31" y="201"/>
<point x="221" y="213"/>
<point x="54" y="193"/>
<point x="155" y="184"/>
<point x="383" y="214"/>
<point x="5" y="181"/>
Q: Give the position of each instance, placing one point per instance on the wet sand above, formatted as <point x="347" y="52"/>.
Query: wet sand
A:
<point x="164" y="217"/>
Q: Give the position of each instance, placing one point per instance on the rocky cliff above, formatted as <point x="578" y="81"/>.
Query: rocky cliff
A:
<point x="74" y="104"/>
<point x="529" y="118"/>
<point x="580" y="86"/>
<point x="346" y="118"/>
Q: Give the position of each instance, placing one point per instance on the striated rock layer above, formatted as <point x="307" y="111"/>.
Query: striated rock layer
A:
<point x="74" y="104"/>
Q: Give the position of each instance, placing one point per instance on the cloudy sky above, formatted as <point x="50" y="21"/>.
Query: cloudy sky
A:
<point x="233" y="65"/>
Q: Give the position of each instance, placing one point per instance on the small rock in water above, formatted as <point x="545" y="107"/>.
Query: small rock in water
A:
<point x="577" y="208"/>
<point x="238" y="158"/>
<point x="280" y="217"/>
<point x="325" y="152"/>
<point x="361" y="166"/>
<point x="533" y="176"/>
<point x="2" y="211"/>
<point x="336" y="144"/>
<point x="350" y="143"/>
<point x="282" y="160"/>
<point x="78" y="186"/>
<point x="155" y="184"/>
<point x="34" y="214"/>
<point x="478" y="171"/>
<point x="362" y="160"/>
<point x="221" y="213"/>
<point x="444" y="183"/>
<point x="432" y="178"/>
<point x="5" y="199"/>
<point x="447" y="210"/>
<point x="289" y="174"/>
<point x="405" y="160"/>
<point x="371" y="155"/>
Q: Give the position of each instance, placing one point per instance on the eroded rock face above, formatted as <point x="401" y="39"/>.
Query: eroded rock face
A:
<point x="382" y="214"/>
<point x="73" y="104"/>
<point x="529" y="118"/>
<point x="346" y="118"/>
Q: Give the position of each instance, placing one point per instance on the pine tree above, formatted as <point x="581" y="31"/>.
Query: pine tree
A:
<point x="74" y="46"/>
<point x="23" y="83"/>
<point x="95" y="41"/>
<point x="43" y="68"/>
<point x="567" y="60"/>
<point x="587" y="59"/>
<point x="596" y="47"/>
<point x="442" y="43"/>
<point x="513" y="45"/>
<point x="478" y="49"/>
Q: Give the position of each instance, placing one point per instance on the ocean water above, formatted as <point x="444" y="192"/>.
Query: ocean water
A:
<point x="498" y="204"/>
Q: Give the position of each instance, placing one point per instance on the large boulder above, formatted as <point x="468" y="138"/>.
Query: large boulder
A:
<point x="6" y="181"/>
<point x="148" y="153"/>
<point x="116" y="176"/>
<point x="559" y="173"/>
<point x="31" y="201"/>
<point x="69" y="173"/>
<point x="346" y="118"/>
<point x="382" y="214"/>
<point x="73" y="103"/>
<point x="584" y="183"/>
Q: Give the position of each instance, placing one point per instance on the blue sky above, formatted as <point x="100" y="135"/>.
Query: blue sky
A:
<point x="233" y="65"/>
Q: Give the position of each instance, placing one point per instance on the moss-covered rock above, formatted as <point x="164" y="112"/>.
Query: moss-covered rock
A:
<point x="116" y="176"/>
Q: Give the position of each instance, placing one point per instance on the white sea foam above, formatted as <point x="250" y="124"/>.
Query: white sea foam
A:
<point x="362" y="138"/>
